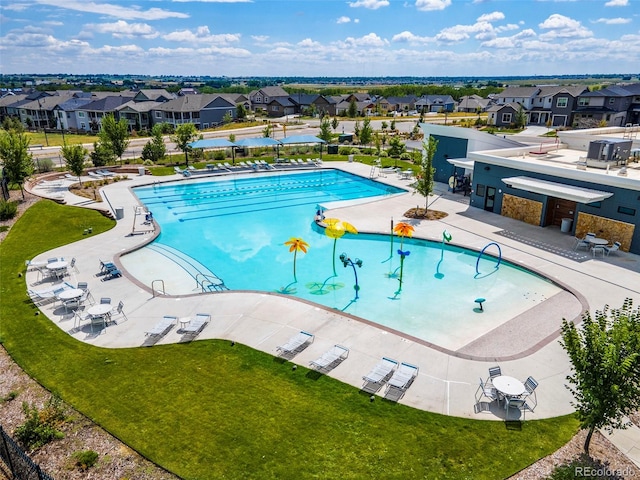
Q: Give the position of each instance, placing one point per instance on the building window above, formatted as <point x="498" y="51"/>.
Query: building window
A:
<point x="158" y="114"/>
<point x="562" y="102"/>
<point x="480" y="190"/>
<point x="612" y="101"/>
<point x="506" y="118"/>
<point x="627" y="211"/>
<point x="81" y="114"/>
<point x="583" y="102"/>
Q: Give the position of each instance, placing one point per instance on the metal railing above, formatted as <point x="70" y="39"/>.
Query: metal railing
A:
<point x="20" y="466"/>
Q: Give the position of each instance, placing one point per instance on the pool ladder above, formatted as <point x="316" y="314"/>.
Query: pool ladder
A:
<point x="153" y="289"/>
<point x="209" y="283"/>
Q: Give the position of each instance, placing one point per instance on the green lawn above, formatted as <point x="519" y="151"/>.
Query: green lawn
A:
<point x="212" y="410"/>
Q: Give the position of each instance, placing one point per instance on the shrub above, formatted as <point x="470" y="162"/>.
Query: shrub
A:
<point x="344" y="150"/>
<point x="44" y="165"/>
<point x="41" y="426"/>
<point x="406" y="156"/>
<point x="219" y="156"/>
<point x="9" y="396"/>
<point x="8" y="210"/>
<point x="148" y="163"/>
<point x="355" y="151"/>
<point x="384" y="154"/>
<point x="85" y="459"/>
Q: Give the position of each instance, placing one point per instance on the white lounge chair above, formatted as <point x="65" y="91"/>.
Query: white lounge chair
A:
<point x="185" y="172"/>
<point x="403" y="377"/>
<point x="105" y="173"/>
<point x="162" y="327"/>
<point x="196" y="325"/>
<point x="335" y="354"/>
<point x="95" y="175"/>
<point x="381" y="372"/>
<point x="297" y="343"/>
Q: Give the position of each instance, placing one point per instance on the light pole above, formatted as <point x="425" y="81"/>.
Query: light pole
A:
<point x="45" y="128"/>
<point x="344" y="258"/>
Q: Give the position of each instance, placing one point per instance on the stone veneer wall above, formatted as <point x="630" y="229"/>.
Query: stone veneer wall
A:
<point x="612" y="230"/>
<point x="528" y="211"/>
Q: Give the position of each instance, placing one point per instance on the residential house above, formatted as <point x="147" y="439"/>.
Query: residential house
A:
<point x="281" y="106"/>
<point x="260" y="98"/>
<point x="435" y="103"/>
<point x="616" y="105"/>
<point x="305" y="102"/>
<point x="204" y="111"/>
<point x="520" y="95"/>
<point x="554" y="105"/>
<point x="401" y="104"/>
<point x="473" y="104"/>
<point x="503" y="115"/>
<point x="325" y="105"/>
<point x="89" y="117"/>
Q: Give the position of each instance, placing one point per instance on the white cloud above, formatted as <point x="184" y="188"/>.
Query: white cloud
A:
<point x="507" y="27"/>
<point x="356" y="20"/>
<point x="613" y="21"/>
<point x="112" y="10"/>
<point x="260" y="38"/>
<point x="428" y="5"/>
<point x="122" y="29"/>
<point x="491" y="17"/>
<point x="213" y="1"/>
<point x="514" y="41"/>
<point x="201" y="35"/>
<point x="559" y="26"/>
<point x="343" y="20"/>
<point x="367" y="41"/>
<point x="371" y="4"/>
<point x="16" y="7"/>
<point x="617" y="3"/>
<point x="410" y="38"/>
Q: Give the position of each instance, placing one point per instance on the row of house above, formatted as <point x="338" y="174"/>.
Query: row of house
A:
<point x="563" y="106"/>
<point x="83" y="111"/>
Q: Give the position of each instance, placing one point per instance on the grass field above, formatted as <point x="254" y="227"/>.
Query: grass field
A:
<point x="209" y="409"/>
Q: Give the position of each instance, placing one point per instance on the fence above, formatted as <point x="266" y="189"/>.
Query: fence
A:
<point x="19" y="465"/>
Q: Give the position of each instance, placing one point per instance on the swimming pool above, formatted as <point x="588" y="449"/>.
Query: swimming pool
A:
<point x="235" y="228"/>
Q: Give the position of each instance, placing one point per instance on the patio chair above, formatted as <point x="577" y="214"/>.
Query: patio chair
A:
<point x="486" y="390"/>
<point x="518" y="403"/>
<point x="72" y="264"/>
<point x="381" y="372"/>
<point x="584" y="242"/>
<point x="530" y="385"/>
<point x="330" y="358"/>
<point x="296" y="344"/>
<point x="118" y="311"/>
<point x="98" y="321"/>
<point x="613" y="248"/>
<point x="493" y="373"/>
<point x="401" y="380"/>
<point x="104" y="300"/>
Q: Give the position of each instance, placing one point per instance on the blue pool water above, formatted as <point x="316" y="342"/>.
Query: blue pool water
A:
<point x="237" y="227"/>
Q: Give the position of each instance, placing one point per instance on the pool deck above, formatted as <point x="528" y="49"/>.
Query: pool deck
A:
<point x="446" y="382"/>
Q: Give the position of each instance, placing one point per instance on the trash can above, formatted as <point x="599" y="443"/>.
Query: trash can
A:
<point x="350" y="158"/>
<point x="141" y="171"/>
<point x="565" y="227"/>
<point x="119" y="213"/>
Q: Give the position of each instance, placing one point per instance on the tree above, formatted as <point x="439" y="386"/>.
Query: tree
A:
<point x="396" y="147"/>
<point x="155" y="149"/>
<point x="75" y="156"/>
<point x="227" y="118"/>
<point x="334" y="123"/>
<point x="325" y="130"/>
<point x="352" y="111"/>
<point x="16" y="160"/>
<point x="356" y="130"/>
<point x="115" y="135"/>
<point x="241" y="112"/>
<point x="393" y="125"/>
<point x="185" y="134"/>
<point x="605" y="379"/>
<point x="101" y="155"/>
<point x="366" y="132"/>
<point x="521" y="118"/>
<point x="424" y="179"/>
<point x="384" y="125"/>
<point x="266" y="131"/>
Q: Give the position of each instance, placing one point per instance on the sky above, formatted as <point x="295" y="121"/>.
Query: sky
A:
<point x="320" y="38"/>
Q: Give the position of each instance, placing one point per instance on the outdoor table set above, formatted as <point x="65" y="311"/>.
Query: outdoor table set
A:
<point x="508" y="392"/>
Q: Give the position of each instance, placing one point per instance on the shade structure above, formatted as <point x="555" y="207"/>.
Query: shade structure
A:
<point x="212" y="143"/>
<point x="301" y="139"/>
<point x="559" y="190"/>
<point x="258" y="142"/>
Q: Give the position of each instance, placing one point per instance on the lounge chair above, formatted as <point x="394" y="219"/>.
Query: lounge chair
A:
<point x="403" y="377"/>
<point x="296" y="344"/>
<point x="334" y="355"/>
<point x="185" y="172"/>
<point x="105" y="173"/>
<point x="196" y="325"/>
<point x="400" y="381"/>
<point x="95" y="175"/>
<point x="162" y="327"/>
<point x="228" y="166"/>
<point x="381" y="372"/>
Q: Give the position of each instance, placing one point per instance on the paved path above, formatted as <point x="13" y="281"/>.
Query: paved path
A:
<point x="447" y="382"/>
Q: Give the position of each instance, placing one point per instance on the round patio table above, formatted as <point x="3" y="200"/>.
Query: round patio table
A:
<point x="508" y="386"/>
<point x="59" y="265"/>
<point x="70" y="294"/>
<point x="100" y="309"/>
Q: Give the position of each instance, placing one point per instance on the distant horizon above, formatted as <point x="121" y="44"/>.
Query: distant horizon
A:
<point x="314" y="38"/>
